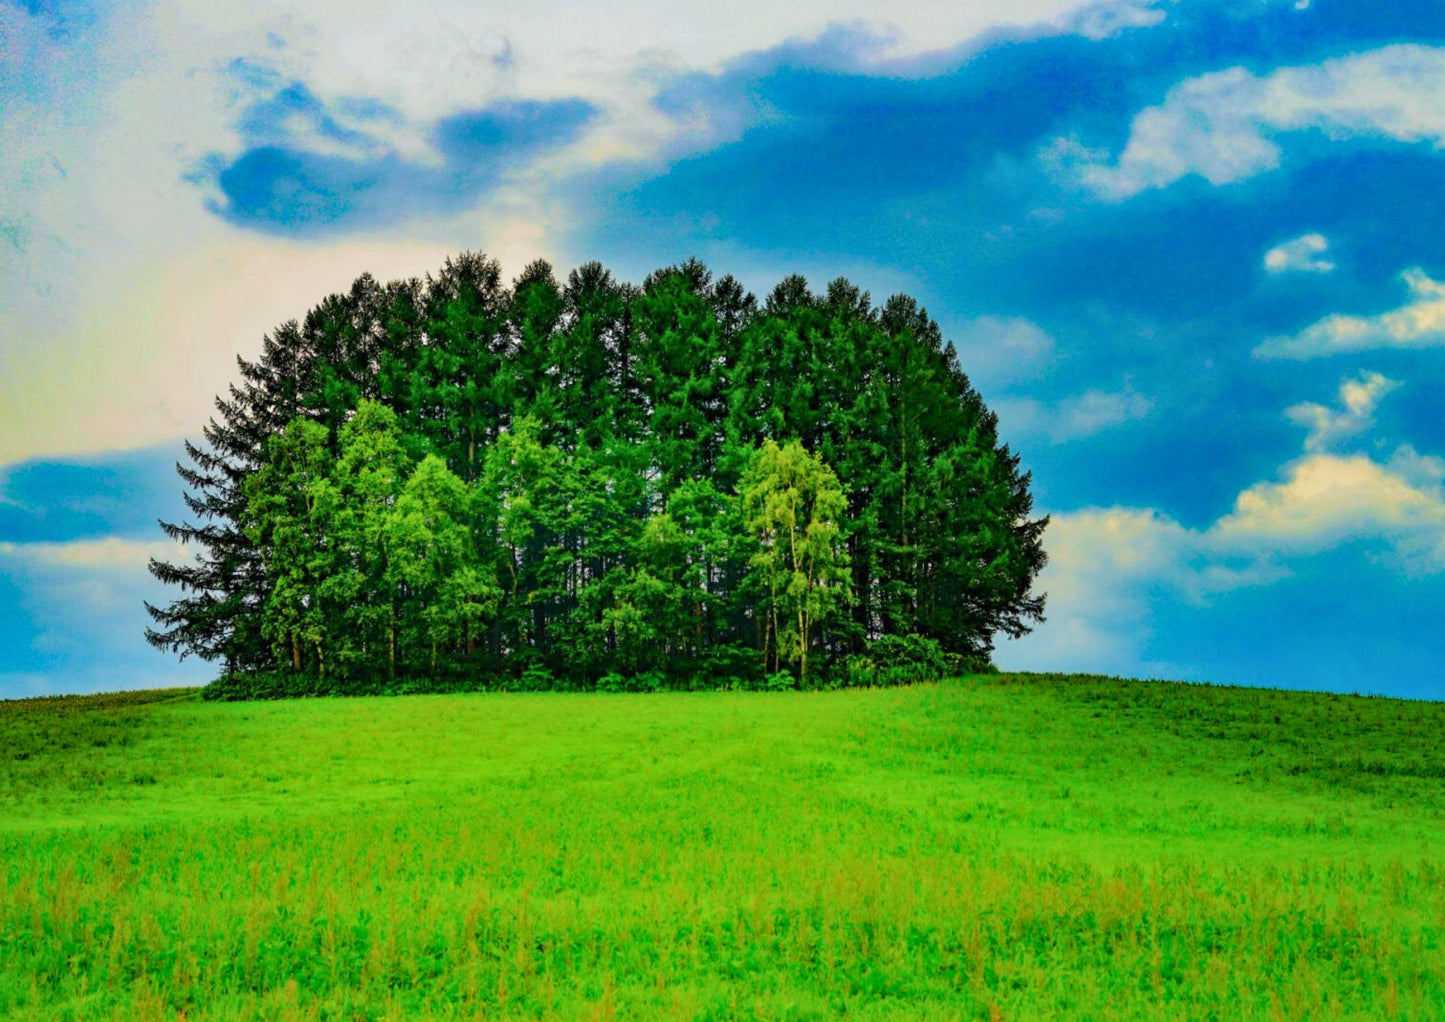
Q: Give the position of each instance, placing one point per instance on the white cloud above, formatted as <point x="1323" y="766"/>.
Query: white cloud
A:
<point x="1100" y="21"/>
<point x="78" y="625"/>
<point x="1328" y="426"/>
<point x="1096" y="410"/>
<point x="1420" y="323"/>
<point x="1326" y="499"/>
<point x="125" y="300"/>
<point x="996" y="350"/>
<point x="1103" y="563"/>
<point x="1424" y="472"/>
<point x="1222" y="125"/>
<point x="1074" y="418"/>
<point x="1301" y="255"/>
<point x="1108" y="567"/>
<point x="451" y="54"/>
<point x="108" y="554"/>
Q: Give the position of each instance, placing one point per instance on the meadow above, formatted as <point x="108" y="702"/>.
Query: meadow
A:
<point x="1008" y="846"/>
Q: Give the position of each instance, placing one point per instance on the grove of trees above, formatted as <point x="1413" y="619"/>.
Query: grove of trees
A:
<point x="454" y="482"/>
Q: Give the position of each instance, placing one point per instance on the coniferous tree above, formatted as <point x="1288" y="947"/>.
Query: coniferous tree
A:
<point x="453" y="478"/>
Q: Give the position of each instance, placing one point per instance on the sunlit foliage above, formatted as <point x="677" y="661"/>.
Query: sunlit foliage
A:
<point x="459" y="483"/>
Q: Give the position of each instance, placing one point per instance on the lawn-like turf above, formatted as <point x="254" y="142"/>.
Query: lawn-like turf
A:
<point x="1011" y="846"/>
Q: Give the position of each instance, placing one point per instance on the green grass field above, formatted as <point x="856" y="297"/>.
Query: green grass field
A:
<point x="994" y="847"/>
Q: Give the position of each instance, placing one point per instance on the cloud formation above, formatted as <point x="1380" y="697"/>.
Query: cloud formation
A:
<point x="1358" y="398"/>
<point x="1223" y="126"/>
<point x="309" y="167"/>
<point x="80" y="604"/>
<point x="1111" y="570"/>
<point x="1076" y="417"/>
<point x="1326" y="499"/>
<point x="108" y="554"/>
<point x="998" y="350"/>
<point x="1420" y="323"/>
<point x="1301" y="255"/>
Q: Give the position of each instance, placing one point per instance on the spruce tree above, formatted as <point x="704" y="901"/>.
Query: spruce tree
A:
<point x="454" y="480"/>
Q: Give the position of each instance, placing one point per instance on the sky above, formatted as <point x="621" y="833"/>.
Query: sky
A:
<point x="1192" y="253"/>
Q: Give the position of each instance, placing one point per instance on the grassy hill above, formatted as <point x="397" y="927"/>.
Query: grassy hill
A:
<point x="993" y="847"/>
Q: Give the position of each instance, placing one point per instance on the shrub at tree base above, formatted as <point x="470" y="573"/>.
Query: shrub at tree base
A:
<point x="453" y="483"/>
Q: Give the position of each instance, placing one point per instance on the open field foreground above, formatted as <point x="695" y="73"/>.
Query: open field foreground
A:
<point x="994" y="847"/>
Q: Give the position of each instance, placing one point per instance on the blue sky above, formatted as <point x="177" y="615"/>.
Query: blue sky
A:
<point x="1191" y="252"/>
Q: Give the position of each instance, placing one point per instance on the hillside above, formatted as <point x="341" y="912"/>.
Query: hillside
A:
<point x="1008" y="846"/>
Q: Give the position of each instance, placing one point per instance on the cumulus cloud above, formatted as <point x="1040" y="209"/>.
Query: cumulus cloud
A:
<point x="1100" y="21"/>
<point x="1420" y="323"/>
<point x="1325" y="500"/>
<point x="1109" y="567"/>
<point x="1301" y="255"/>
<point x="1103" y="564"/>
<point x="1358" y="398"/>
<point x="1223" y="126"/>
<point x="1425" y="472"/>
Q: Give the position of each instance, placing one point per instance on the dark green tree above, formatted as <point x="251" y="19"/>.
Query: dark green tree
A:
<point x="454" y="480"/>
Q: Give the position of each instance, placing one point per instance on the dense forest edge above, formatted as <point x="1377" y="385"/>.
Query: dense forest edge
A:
<point x="454" y="483"/>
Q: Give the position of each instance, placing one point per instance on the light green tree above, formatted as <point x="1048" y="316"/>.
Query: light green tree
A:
<point x="794" y="507"/>
<point x="281" y="518"/>
<point x="359" y="502"/>
<point x="432" y="558"/>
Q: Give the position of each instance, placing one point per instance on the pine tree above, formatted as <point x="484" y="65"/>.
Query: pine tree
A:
<point x="453" y="478"/>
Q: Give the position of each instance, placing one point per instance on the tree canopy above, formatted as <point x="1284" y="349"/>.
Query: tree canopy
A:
<point x="581" y="483"/>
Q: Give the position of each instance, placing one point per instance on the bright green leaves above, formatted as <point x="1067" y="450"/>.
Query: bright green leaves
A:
<point x="433" y="561"/>
<point x="287" y="516"/>
<point x="456" y="478"/>
<point x="369" y="559"/>
<point x="793" y="506"/>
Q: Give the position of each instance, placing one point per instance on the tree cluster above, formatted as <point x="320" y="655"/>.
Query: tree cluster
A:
<point x="580" y="484"/>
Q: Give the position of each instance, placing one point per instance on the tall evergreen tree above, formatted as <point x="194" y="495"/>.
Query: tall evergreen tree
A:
<point x="452" y="478"/>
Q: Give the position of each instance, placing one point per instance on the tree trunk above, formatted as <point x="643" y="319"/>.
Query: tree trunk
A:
<point x="803" y="643"/>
